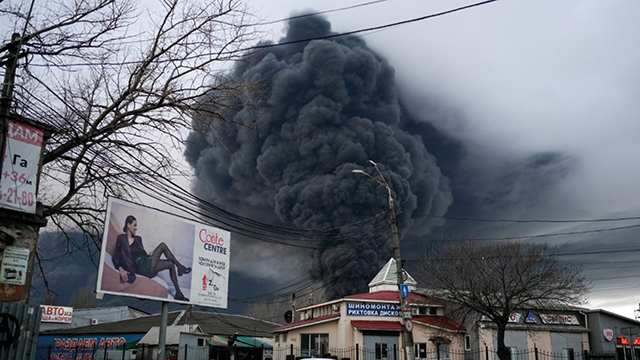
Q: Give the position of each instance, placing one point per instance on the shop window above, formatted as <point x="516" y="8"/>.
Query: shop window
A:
<point x="314" y="345"/>
<point x="420" y="350"/>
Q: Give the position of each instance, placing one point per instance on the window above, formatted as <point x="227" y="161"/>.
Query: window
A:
<point x="567" y="354"/>
<point x="443" y="351"/>
<point x="381" y="351"/>
<point x="277" y="338"/>
<point x="284" y="337"/>
<point x="315" y="345"/>
<point x="514" y="353"/>
<point x="467" y="342"/>
<point x="421" y="350"/>
<point x="200" y="342"/>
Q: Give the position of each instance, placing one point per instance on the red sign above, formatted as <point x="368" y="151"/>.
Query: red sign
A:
<point x="622" y="340"/>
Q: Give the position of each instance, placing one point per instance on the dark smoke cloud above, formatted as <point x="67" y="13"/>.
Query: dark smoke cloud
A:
<point x="323" y="108"/>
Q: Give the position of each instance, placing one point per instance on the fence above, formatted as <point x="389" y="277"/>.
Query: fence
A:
<point x="359" y="353"/>
<point x="143" y="352"/>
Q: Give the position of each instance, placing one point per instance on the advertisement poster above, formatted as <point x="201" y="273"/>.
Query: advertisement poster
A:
<point x="14" y="265"/>
<point x="147" y="253"/>
<point x="19" y="176"/>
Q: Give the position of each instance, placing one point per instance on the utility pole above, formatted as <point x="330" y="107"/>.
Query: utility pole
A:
<point x="19" y="229"/>
<point x="7" y="88"/>
<point x="407" y="335"/>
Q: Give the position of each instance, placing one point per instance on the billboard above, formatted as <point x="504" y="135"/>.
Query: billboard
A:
<point x="147" y="253"/>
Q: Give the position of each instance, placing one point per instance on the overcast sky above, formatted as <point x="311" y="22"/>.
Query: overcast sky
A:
<point x="512" y="79"/>
<point x="538" y="104"/>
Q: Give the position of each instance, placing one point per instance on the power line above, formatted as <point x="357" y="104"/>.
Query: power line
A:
<point x="318" y="13"/>
<point x="562" y="221"/>
<point x="273" y="45"/>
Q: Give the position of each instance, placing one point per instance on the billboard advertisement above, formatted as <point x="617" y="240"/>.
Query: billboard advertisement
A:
<point x="150" y="254"/>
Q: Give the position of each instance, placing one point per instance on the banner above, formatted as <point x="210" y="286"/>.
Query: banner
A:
<point x="142" y="248"/>
<point x="57" y="314"/>
<point x="90" y="347"/>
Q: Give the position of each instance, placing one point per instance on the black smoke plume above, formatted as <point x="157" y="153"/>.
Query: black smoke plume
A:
<point x="321" y="108"/>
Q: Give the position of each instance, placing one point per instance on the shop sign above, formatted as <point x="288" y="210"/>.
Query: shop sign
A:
<point x="89" y="347"/>
<point x="513" y="318"/>
<point x="369" y="309"/>
<point x="608" y="334"/>
<point x="531" y="319"/>
<point x="558" y="319"/>
<point x="57" y="314"/>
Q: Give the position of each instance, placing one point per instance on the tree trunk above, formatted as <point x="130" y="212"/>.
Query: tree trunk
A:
<point x="504" y="353"/>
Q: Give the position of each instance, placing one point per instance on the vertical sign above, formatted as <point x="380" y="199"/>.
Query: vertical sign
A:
<point x="18" y="179"/>
<point x="209" y="285"/>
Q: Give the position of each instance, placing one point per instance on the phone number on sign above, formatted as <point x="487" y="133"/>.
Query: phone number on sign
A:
<point x="14" y="196"/>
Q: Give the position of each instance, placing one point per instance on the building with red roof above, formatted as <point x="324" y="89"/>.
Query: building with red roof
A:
<point x="371" y="323"/>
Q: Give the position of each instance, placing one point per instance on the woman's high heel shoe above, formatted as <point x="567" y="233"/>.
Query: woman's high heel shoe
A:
<point x="180" y="296"/>
<point x="183" y="270"/>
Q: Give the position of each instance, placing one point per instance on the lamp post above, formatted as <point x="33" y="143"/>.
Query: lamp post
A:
<point x="407" y="335"/>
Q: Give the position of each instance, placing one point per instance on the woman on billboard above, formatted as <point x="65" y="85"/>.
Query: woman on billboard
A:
<point x="130" y="258"/>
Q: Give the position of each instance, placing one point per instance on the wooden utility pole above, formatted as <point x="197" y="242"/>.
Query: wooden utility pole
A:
<point x="19" y="230"/>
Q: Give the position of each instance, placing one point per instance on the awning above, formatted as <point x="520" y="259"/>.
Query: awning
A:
<point x="376" y="325"/>
<point x="242" y="341"/>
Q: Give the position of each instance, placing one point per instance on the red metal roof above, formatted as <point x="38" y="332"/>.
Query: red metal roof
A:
<point x="376" y="325"/>
<point x="442" y="322"/>
<point x="308" y="322"/>
<point x="391" y="296"/>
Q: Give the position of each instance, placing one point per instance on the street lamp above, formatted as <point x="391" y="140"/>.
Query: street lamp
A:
<point x="408" y="336"/>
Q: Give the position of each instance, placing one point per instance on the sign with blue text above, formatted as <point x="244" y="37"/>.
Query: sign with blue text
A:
<point x="373" y="309"/>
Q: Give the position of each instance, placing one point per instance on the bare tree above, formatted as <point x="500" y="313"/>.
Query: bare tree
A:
<point x="493" y="280"/>
<point x="83" y="298"/>
<point x="118" y="86"/>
